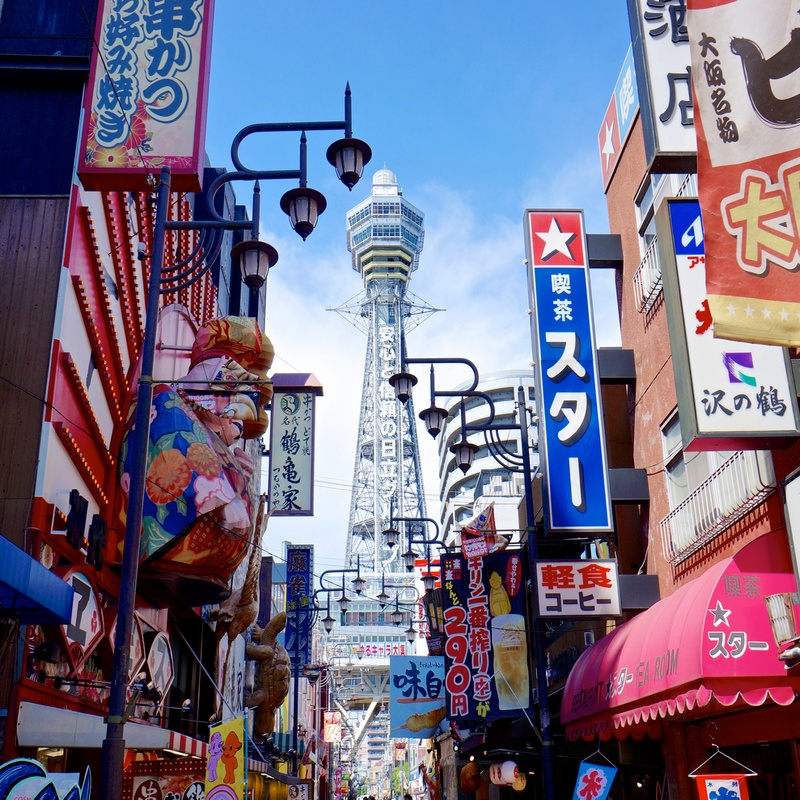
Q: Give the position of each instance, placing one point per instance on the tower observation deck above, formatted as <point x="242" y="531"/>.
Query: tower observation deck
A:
<point x="385" y="235"/>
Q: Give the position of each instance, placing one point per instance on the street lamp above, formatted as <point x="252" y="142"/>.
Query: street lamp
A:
<point x="463" y="453"/>
<point x="255" y="261"/>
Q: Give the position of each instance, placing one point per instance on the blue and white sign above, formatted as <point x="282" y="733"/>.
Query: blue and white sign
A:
<point x="299" y="587"/>
<point x="572" y="442"/>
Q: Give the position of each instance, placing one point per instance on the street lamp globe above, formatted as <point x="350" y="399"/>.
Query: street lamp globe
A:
<point x="349" y="156"/>
<point x="403" y="384"/>
<point x="303" y="205"/>
<point x="255" y="261"/>
<point x="434" y="419"/>
<point x="464" y="453"/>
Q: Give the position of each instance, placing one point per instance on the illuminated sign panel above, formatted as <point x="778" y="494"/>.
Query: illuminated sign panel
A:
<point x="572" y="441"/>
<point x="146" y="99"/>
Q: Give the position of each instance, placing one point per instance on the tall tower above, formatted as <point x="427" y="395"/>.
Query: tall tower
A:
<point x="385" y="235"/>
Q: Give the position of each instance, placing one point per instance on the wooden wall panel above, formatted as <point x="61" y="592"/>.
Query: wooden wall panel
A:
<point x="32" y="232"/>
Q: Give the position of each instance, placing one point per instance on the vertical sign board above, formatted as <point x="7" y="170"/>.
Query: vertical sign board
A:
<point x="291" y="465"/>
<point x="745" y="58"/>
<point x="226" y="765"/>
<point x="299" y="585"/>
<point x="417" y="702"/>
<point x="572" y="441"/>
<point x="145" y="104"/>
<point x="731" y="396"/>
<point x="618" y="119"/>
<point x="486" y="640"/>
<point x="661" y="52"/>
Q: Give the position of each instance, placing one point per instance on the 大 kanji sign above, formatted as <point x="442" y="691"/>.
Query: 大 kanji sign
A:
<point x="572" y="444"/>
<point x="745" y="65"/>
<point x="585" y="588"/>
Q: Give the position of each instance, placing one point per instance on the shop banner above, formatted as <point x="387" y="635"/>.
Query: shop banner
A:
<point x="417" y="703"/>
<point x="486" y="639"/>
<point x="291" y="474"/>
<point x="332" y="727"/>
<point x="226" y="766"/>
<point x="748" y="135"/>
<point x="594" y="781"/>
<point x="299" y="585"/>
<point x="147" y="94"/>
<point x="722" y="787"/>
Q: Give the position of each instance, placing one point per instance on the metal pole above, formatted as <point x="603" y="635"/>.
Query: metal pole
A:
<point x="539" y="648"/>
<point x="113" y="752"/>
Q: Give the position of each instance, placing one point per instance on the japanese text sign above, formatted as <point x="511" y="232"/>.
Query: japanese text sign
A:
<point x="745" y="62"/>
<point x="417" y="703"/>
<point x="578" y="588"/>
<point x="730" y="396"/>
<point x="722" y="787"/>
<point x="486" y="642"/>
<point x="618" y="120"/>
<point x="572" y="441"/>
<point x="299" y="589"/>
<point x="291" y="466"/>
<point x="661" y="53"/>
<point x="594" y="781"/>
<point x="146" y="98"/>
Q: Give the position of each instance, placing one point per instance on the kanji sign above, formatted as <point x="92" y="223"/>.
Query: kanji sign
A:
<point x="291" y="470"/>
<point x="745" y="67"/>
<point x="416" y="696"/>
<point x="299" y="588"/>
<point x="486" y="641"/>
<point x="730" y="396"/>
<point x="146" y="98"/>
<point x="572" y="441"/>
<point x="585" y="588"/>
<point x="661" y="53"/>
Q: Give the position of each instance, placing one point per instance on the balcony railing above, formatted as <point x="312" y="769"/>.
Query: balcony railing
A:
<point x="647" y="283"/>
<point x="738" y="486"/>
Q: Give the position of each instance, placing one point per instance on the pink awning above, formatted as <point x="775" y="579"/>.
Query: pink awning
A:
<point x="710" y="640"/>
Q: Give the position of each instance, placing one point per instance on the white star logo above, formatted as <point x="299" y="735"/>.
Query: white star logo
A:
<point x="556" y="241"/>
<point x="608" y="143"/>
<point x="720" y="614"/>
<point x="784" y="314"/>
<point x="732" y="310"/>
<point x="748" y="310"/>
<point x="766" y="313"/>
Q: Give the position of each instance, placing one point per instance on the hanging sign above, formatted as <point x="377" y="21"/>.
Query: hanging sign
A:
<point x="579" y="588"/>
<point x="722" y="787"/>
<point x="486" y="642"/>
<point x="226" y="765"/>
<point x="594" y="781"/>
<point x="417" y="702"/>
<point x="299" y="578"/>
<point x="744" y="69"/>
<point x="332" y="727"/>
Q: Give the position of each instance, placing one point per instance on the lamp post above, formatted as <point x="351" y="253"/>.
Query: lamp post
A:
<point x="428" y="579"/>
<point x="303" y="205"/>
<point x="464" y="452"/>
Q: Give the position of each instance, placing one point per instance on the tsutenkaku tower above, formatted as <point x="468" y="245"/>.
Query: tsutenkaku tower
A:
<point x="385" y="235"/>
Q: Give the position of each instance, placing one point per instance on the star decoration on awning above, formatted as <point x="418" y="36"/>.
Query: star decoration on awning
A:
<point x="720" y="615"/>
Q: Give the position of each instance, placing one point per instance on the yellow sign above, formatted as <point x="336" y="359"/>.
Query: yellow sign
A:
<point x="226" y="769"/>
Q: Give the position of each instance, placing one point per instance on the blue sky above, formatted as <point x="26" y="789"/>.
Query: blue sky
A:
<point x="481" y="110"/>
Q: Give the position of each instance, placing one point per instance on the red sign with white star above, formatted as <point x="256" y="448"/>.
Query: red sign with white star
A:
<point x="608" y="141"/>
<point x="557" y="238"/>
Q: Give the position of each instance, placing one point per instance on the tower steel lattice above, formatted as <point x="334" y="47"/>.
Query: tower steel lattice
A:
<point x="385" y="235"/>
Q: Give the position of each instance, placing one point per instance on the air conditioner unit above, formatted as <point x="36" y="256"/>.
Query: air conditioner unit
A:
<point x="588" y="638"/>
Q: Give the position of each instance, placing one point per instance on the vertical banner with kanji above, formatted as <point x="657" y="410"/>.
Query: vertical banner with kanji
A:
<point x="291" y="463"/>
<point x="486" y="639"/>
<point x="145" y="104"/>
<point x="748" y="140"/>
<point x="226" y="764"/>
<point x="572" y="442"/>
<point x="299" y="585"/>
<point x="417" y="703"/>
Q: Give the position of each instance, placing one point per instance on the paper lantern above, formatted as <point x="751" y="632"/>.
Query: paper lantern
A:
<point x="520" y="783"/>
<point x="503" y="773"/>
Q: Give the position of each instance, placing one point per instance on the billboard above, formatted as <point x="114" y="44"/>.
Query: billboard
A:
<point x="145" y="105"/>
<point x="661" y="52"/>
<point x="487" y="674"/>
<point x="572" y="440"/>
<point x="417" y="703"/>
<point x="744" y="59"/>
<point x="577" y="589"/>
<point x="299" y="588"/>
<point x="730" y="396"/>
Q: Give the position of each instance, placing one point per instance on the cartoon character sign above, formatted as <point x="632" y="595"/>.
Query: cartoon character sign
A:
<point x="226" y="776"/>
<point x="197" y="515"/>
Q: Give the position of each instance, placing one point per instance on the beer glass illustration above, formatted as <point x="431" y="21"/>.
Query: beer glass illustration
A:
<point x="510" y="648"/>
